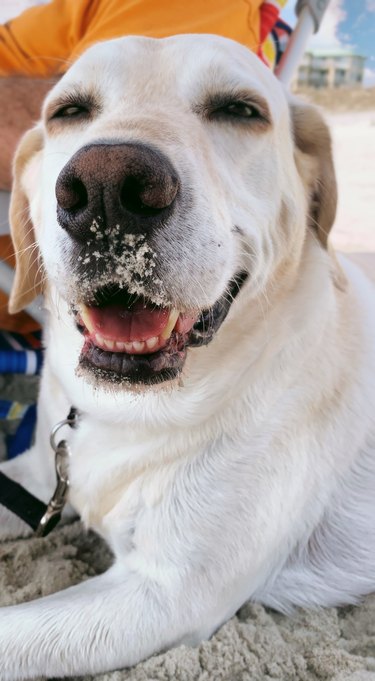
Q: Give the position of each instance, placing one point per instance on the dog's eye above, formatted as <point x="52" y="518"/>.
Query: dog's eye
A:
<point x="237" y="110"/>
<point x="71" y="111"/>
<point x="248" y="110"/>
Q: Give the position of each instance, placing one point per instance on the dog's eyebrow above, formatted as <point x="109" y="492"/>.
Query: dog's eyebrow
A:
<point x="73" y="97"/>
<point x="218" y="99"/>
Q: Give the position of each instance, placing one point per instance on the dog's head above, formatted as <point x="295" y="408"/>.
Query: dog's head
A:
<point x="166" y="177"/>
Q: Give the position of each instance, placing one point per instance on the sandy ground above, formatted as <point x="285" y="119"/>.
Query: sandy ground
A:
<point x="258" y="644"/>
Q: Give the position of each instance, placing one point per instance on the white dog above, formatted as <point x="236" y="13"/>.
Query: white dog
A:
<point x="220" y="358"/>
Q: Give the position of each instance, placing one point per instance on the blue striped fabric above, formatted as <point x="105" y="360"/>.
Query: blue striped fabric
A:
<point x="12" y="411"/>
<point x="20" y="354"/>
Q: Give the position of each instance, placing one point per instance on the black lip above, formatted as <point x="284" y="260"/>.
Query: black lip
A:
<point x="167" y="363"/>
<point x="210" y="320"/>
<point x="164" y="365"/>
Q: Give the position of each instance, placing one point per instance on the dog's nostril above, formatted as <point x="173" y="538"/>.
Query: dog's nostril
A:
<point x="134" y="198"/>
<point x="148" y="195"/>
<point x="71" y="195"/>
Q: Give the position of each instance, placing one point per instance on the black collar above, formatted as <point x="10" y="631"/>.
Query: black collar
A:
<point x="41" y="517"/>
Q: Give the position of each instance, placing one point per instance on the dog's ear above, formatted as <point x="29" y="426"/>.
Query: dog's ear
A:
<point x="29" y="276"/>
<point x="315" y="164"/>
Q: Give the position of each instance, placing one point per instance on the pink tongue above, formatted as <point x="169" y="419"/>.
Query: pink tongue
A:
<point x="115" y="323"/>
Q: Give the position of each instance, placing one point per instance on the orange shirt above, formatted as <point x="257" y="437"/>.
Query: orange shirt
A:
<point x="45" y="39"/>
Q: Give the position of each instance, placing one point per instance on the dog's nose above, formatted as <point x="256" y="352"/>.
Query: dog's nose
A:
<point x="128" y="186"/>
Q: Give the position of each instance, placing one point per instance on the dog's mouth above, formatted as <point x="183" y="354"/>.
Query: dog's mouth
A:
<point x="129" y="338"/>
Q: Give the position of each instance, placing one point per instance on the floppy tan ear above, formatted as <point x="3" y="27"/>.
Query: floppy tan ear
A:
<point x="28" y="277"/>
<point x="315" y="164"/>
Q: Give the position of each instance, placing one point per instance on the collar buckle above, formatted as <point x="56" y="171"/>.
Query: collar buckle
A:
<point x="59" y="497"/>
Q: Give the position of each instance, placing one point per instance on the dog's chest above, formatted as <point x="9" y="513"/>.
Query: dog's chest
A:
<point x="113" y="478"/>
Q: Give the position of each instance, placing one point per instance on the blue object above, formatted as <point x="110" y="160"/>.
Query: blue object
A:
<point x="20" y="355"/>
<point x="22" y="438"/>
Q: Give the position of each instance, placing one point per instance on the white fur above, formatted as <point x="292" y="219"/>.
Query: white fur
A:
<point x="254" y="476"/>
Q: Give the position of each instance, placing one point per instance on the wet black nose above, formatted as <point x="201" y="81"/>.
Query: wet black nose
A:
<point x="128" y="186"/>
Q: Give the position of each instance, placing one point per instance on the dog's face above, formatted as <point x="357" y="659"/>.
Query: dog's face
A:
<point x="164" y="186"/>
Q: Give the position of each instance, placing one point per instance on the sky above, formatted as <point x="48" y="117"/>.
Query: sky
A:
<point x="347" y="23"/>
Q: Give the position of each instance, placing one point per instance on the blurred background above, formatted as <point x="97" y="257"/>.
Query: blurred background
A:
<point x="337" y="72"/>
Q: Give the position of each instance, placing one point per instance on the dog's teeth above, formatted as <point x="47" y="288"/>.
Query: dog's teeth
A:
<point x="109" y="344"/>
<point x="151" y="342"/>
<point x="173" y="316"/>
<point x="128" y="347"/>
<point x="138" y="346"/>
<point x="121" y="347"/>
<point x="99" y="340"/>
<point x="86" y="318"/>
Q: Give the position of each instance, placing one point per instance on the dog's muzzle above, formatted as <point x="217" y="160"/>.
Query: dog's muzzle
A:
<point x="111" y="200"/>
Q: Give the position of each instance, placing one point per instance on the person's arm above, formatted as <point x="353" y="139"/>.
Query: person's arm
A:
<point x="39" y="42"/>
<point x="20" y="105"/>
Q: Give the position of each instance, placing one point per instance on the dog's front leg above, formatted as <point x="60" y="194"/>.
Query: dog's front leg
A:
<point x="109" y="622"/>
<point x="194" y="558"/>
